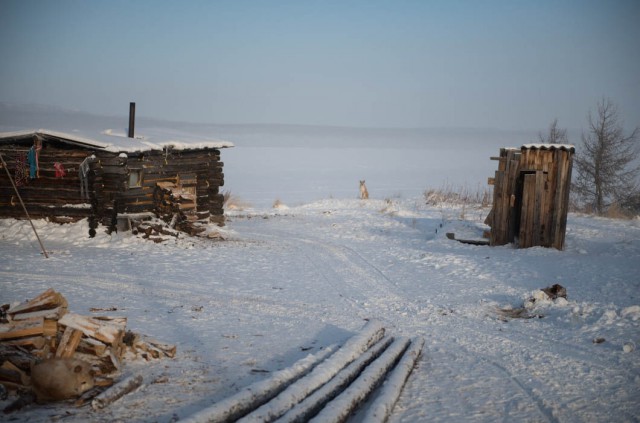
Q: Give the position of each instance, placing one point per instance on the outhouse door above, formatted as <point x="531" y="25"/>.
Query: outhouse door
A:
<point x="530" y="219"/>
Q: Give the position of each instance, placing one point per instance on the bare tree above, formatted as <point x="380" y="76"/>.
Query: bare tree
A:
<point x="555" y="135"/>
<point x="605" y="168"/>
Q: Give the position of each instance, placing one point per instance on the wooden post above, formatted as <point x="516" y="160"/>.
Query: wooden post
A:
<point x="4" y="164"/>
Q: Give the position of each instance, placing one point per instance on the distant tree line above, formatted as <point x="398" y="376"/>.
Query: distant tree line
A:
<point x="606" y="164"/>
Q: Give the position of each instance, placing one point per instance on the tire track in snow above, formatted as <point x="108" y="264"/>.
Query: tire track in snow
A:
<point x="544" y="411"/>
<point x="362" y="284"/>
<point x="358" y="283"/>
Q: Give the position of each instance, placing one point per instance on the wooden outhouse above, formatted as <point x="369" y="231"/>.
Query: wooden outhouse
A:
<point x="531" y="195"/>
<point x="105" y="175"/>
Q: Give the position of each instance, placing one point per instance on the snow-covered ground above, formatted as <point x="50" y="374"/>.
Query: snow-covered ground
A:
<point x="291" y="281"/>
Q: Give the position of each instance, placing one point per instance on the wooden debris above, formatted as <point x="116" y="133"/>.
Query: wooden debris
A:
<point x="41" y="328"/>
<point x="17" y="355"/>
<point x="92" y="346"/>
<point x="69" y="343"/>
<point x="48" y="300"/>
<point x="116" y="391"/>
<point x="88" y="396"/>
<point x="452" y="236"/>
<point x="22" y="328"/>
<point x="53" y="314"/>
<point x="12" y="374"/>
<point x="108" y="331"/>
<point x="32" y="342"/>
<point x="156" y="348"/>
<point x="97" y="309"/>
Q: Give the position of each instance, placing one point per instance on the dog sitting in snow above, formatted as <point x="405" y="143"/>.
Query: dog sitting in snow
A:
<point x="364" y="194"/>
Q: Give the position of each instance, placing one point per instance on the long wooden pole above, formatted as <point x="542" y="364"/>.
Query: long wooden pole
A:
<point x="15" y="188"/>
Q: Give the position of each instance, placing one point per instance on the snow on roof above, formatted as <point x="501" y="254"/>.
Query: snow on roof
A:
<point x="540" y="146"/>
<point x="113" y="141"/>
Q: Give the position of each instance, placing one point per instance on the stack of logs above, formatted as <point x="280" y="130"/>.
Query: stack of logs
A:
<point x="176" y="205"/>
<point x="43" y="328"/>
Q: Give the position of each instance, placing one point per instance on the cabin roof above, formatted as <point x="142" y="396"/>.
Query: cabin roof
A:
<point x="117" y="142"/>
<point x="540" y="146"/>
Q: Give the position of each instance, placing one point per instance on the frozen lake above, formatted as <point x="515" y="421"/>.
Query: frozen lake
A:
<point x="300" y="164"/>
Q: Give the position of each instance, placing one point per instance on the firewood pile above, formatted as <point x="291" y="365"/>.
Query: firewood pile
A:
<point x="43" y="328"/>
<point x="176" y="205"/>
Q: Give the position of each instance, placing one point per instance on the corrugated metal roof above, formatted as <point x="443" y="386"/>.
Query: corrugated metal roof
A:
<point x="108" y="140"/>
<point x="538" y="146"/>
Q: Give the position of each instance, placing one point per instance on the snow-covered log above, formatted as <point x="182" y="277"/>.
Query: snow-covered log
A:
<point x="116" y="391"/>
<point x="390" y="391"/>
<point x="341" y="407"/>
<point x="314" y="402"/>
<point x="258" y="393"/>
<point x="370" y="334"/>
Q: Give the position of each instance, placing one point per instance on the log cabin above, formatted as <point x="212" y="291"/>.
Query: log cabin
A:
<point x="531" y="196"/>
<point x="108" y="176"/>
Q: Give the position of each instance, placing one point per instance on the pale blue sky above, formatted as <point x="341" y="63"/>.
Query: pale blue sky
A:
<point x="503" y="64"/>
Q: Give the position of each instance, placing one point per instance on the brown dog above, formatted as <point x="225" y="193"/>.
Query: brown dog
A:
<point x="61" y="378"/>
<point x="364" y="194"/>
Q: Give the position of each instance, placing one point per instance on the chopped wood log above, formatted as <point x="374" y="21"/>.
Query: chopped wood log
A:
<point x="16" y="355"/>
<point x="16" y="375"/>
<point x="52" y="314"/>
<point x="22" y="328"/>
<point x="69" y="343"/>
<point x="88" y="396"/>
<point x="102" y="365"/>
<point x="114" y="320"/>
<point x="48" y="300"/>
<point x="50" y="327"/>
<point x="104" y="382"/>
<point x="10" y="376"/>
<point x="153" y="347"/>
<point x="32" y="342"/>
<point x="116" y="392"/>
<point x="92" y="346"/>
<point x="115" y="360"/>
<point x="97" y="309"/>
<point x="108" y="331"/>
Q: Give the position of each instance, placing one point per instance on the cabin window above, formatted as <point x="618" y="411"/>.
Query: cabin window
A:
<point x="135" y="178"/>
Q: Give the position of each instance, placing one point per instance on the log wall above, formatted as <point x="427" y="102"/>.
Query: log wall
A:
<point x="46" y="195"/>
<point x="109" y="193"/>
<point x="158" y="167"/>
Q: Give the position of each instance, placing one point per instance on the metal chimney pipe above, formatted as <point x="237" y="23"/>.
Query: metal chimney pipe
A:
<point x="132" y="119"/>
